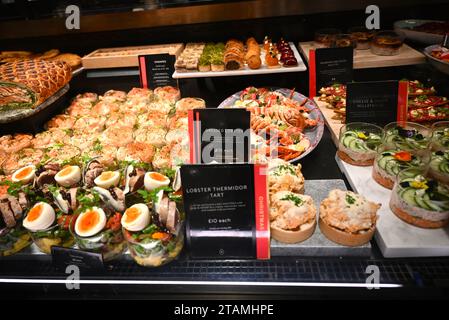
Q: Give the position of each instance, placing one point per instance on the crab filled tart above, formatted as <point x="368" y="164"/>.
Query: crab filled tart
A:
<point x="347" y="218"/>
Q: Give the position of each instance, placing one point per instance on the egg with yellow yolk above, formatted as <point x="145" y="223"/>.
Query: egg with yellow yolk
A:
<point x="68" y="176"/>
<point x="90" y="222"/>
<point x="40" y="217"/>
<point x="24" y="175"/>
<point x="136" y="218"/>
<point x="153" y="180"/>
<point x="107" y="179"/>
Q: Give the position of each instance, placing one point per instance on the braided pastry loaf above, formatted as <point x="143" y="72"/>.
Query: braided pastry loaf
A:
<point x="28" y="83"/>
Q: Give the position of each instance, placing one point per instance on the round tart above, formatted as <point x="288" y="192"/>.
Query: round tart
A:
<point x="347" y="218"/>
<point x="292" y="216"/>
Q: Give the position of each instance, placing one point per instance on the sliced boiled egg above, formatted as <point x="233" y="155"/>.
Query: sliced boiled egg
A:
<point x="136" y="217"/>
<point x="68" y="176"/>
<point x="90" y="222"/>
<point x="40" y="217"/>
<point x="24" y="175"/>
<point x="108" y="179"/>
<point x="155" y="180"/>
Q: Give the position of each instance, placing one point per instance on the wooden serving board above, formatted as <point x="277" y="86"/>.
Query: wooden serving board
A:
<point x="126" y="56"/>
<point x="333" y="125"/>
<point x="365" y="59"/>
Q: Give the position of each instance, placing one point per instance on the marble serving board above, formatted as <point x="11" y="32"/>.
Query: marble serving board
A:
<point x="318" y="245"/>
<point x="333" y="125"/>
<point x="395" y="237"/>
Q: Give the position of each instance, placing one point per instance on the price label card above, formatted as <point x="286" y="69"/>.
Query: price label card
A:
<point x="378" y="102"/>
<point x="87" y="262"/>
<point x="156" y="70"/>
<point x="219" y="135"/>
<point x="328" y="66"/>
<point x="226" y="211"/>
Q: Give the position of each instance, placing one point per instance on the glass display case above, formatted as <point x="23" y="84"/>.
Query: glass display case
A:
<point x="102" y="104"/>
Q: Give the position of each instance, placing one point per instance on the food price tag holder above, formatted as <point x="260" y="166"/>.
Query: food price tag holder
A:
<point x="156" y="70"/>
<point x="219" y="135"/>
<point x="226" y="208"/>
<point x="377" y="102"/>
<point x="328" y="66"/>
<point x="87" y="262"/>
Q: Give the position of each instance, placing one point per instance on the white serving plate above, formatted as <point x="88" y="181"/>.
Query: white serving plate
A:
<point x="441" y="65"/>
<point x="246" y="71"/>
<point x="314" y="135"/>
<point x="405" y="26"/>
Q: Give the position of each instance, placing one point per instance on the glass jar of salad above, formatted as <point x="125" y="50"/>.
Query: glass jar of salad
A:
<point x="52" y="236"/>
<point x="13" y="240"/>
<point x="440" y="135"/>
<point x="420" y="200"/>
<point x="358" y="142"/>
<point x="390" y="161"/>
<point x="99" y="232"/>
<point x="406" y="136"/>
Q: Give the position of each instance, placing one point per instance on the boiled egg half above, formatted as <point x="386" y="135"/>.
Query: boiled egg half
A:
<point x="40" y="217"/>
<point x="155" y="180"/>
<point x="90" y="222"/>
<point x="68" y="176"/>
<point x="108" y="179"/>
<point x="136" y="217"/>
<point x="24" y="175"/>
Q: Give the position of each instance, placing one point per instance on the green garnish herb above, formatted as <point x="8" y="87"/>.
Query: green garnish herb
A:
<point x="151" y="196"/>
<point x="291" y="197"/>
<point x="97" y="146"/>
<point x="350" y="199"/>
<point x="285" y="168"/>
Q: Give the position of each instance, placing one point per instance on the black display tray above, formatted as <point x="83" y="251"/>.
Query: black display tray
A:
<point x="31" y="121"/>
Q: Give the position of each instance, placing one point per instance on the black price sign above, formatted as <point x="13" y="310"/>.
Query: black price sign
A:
<point x="329" y="66"/>
<point x="219" y="135"/>
<point x="226" y="211"/>
<point x="377" y="102"/>
<point x="88" y="262"/>
<point x="156" y="70"/>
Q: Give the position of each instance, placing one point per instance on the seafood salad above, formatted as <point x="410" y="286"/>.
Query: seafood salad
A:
<point x="153" y="224"/>
<point x="72" y="183"/>
<point x="275" y="116"/>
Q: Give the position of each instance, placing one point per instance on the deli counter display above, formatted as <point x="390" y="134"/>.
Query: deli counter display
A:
<point x="340" y="186"/>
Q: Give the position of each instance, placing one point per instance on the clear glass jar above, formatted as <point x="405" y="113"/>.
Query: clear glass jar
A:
<point x="52" y="236"/>
<point x="362" y="36"/>
<point x="406" y="136"/>
<point x="150" y="252"/>
<point x="358" y="142"/>
<point x="420" y="200"/>
<point x="107" y="242"/>
<point x="390" y="161"/>
<point x="440" y="135"/>
<point x="387" y="43"/>
<point x="14" y="240"/>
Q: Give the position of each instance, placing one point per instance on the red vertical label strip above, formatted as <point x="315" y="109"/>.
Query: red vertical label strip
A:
<point x="143" y="72"/>
<point x="312" y="74"/>
<point x="402" y="101"/>
<point x="261" y="214"/>
<point x="191" y="137"/>
<point x="197" y="137"/>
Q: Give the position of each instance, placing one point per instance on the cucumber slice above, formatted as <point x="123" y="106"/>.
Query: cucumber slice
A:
<point x="353" y="144"/>
<point x="444" y="167"/>
<point x="390" y="139"/>
<point x="347" y="140"/>
<point x="409" y="196"/>
<point x="431" y="205"/>
<point x="383" y="161"/>
<point x="422" y="202"/>
<point x="392" y="167"/>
